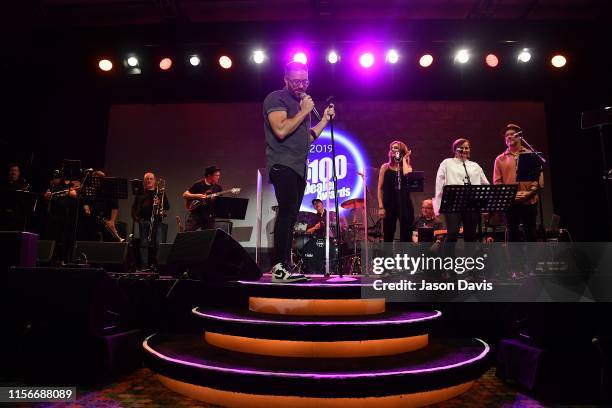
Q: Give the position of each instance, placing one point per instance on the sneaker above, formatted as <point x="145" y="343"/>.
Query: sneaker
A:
<point x="281" y="274"/>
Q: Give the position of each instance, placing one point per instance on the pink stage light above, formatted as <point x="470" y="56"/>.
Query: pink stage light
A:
<point x="426" y="60"/>
<point x="300" y="57"/>
<point x="491" y="60"/>
<point x="165" y="64"/>
<point x="105" y="65"/>
<point x="225" y="62"/>
<point x="366" y="60"/>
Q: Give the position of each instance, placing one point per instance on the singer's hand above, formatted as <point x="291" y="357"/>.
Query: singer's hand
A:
<point x="381" y="212"/>
<point x="306" y="104"/>
<point x="329" y="113"/>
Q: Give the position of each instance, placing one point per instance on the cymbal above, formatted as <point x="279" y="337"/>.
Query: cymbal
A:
<point x="353" y="203"/>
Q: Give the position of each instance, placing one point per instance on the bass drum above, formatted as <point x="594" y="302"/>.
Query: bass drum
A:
<point x="313" y="255"/>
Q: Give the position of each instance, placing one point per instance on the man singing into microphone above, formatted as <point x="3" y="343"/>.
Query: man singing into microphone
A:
<point x="288" y="134"/>
<point x="524" y="210"/>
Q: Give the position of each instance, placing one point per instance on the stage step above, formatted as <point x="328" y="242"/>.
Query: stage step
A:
<point x="390" y="324"/>
<point x="189" y="365"/>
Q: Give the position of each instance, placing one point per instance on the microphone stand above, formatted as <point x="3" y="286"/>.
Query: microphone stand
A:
<point x="338" y="268"/>
<point x="541" y="206"/>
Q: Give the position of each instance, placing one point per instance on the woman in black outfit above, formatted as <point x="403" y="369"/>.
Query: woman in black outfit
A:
<point x="393" y="196"/>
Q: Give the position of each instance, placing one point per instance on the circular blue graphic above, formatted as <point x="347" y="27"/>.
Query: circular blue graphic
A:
<point x="350" y="161"/>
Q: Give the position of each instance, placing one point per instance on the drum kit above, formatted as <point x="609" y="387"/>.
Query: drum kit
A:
<point x="309" y="250"/>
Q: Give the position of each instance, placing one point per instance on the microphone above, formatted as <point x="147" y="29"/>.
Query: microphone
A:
<point x="520" y="132"/>
<point x="314" y="108"/>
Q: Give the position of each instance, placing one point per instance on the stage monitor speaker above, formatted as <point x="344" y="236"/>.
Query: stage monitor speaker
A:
<point x="109" y="255"/>
<point x="214" y="255"/>
<point x="19" y="249"/>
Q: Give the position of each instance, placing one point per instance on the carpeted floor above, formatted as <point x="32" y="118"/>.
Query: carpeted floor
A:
<point x="142" y="389"/>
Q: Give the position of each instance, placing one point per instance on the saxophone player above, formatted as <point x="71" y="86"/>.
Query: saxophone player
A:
<point x="148" y="211"/>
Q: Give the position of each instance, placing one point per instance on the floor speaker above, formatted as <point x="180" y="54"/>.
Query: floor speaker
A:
<point x="109" y="255"/>
<point x="214" y="255"/>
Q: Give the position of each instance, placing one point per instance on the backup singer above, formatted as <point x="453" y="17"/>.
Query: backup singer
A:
<point x="203" y="215"/>
<point x="393" y="196"/>
<point x="524" y="210"/>
<point x="142" y="209"/>
<point x="288" y="135"/>
<point x="459" y="170"/>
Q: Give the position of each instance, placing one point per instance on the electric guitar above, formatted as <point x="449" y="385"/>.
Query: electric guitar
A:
<point x="193" y="204"/>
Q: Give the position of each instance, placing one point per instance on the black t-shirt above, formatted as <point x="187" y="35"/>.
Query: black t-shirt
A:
<point x="143" y="205"/>
<point x="200" y="187"/>
<point x="421" y="222"/>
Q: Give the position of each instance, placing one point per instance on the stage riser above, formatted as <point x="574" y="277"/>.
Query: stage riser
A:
<point x="241" y="400"/>
<point x="322" y="349"/>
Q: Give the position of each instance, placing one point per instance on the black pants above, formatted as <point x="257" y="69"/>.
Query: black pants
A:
<point x="525" y="214"/>
<point x="454" y="221"/>
<point x="197" y="220"/>
<point x="289" y="190"/>
<point x="405" y="213"/>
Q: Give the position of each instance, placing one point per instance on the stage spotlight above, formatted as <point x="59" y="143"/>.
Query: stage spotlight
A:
<point x="105" y="65"/>
<point x="524" y="56"/>
<point x="462" y="56"/>
<point x="366" y="60"/>
<point x="165" y="64"/>
<point x="194" y="60"/>
<point x="300" y="57"/>
<point x="132" y="61"/>
<point x="225" y="62"/>
<point x="491" y="60"/>
<point x="426" y="60"/>
<point x="259" y="56"/>
<point x="558" y="61"/>
<point x="333" y="57"/>
<point x="392" y="57"/>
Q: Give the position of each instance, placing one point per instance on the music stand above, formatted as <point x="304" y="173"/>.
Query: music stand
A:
<point x="529" y="168"/>
<point x="113" y="188"/>
<point x="230" y="208"/>
<point x="416" y="181"/>
<point x="477" y="198"/>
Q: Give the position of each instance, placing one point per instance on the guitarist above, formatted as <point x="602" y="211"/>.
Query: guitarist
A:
<point x="202" y="215"/>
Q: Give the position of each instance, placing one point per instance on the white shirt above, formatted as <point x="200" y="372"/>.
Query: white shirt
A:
<point x="451" y="172"/>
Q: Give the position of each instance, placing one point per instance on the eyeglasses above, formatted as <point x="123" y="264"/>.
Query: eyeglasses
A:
<point x="297" y="82"/>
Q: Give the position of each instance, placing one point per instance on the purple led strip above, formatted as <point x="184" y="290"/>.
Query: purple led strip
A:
<point x="303" y="323"/>
<point x="306" y="285"/>
<point x="314" y="376"/>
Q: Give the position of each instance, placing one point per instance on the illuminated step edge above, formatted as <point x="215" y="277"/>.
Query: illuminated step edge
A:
<point x="317" y="307"/>
<point x="318" y="349"/>
<point x="243" y="400"/>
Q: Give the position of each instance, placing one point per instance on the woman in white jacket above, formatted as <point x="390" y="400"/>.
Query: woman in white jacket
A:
<point x="459" y="170"/>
